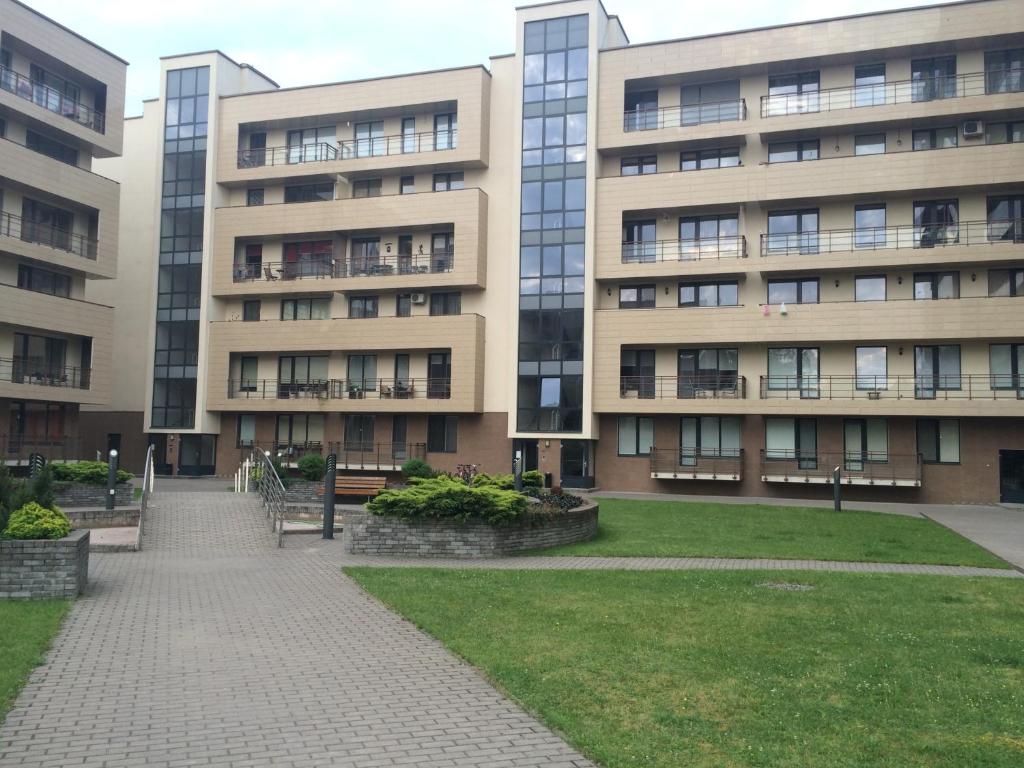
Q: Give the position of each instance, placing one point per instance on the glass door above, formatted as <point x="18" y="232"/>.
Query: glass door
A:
<point x="399" y="437"/>
<point x="439" y="374"/>
<point x="577" y="464"/>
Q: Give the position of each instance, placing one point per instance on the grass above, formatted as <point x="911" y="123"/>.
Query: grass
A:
<point x="137" y="493"/>
<point x="666" y="669"/>
<point x="695" y="529"/>
<point x="26" y="629"/>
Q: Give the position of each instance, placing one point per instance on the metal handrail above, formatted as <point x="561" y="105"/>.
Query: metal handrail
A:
<point x="964" y="386"/>
<point x="148" y="478"/>
<point x="53" y="100"/>
<point x="37" y="371"/>
<point x="727" y="462"/>
<point x="723" y="386"/>
<point x="648" y="251"/>
<point x="435" y="261"/>
<point x="896" y="92"/>
<point x="270" y="487"/>
<point x="341" y="389"/>
<point x="53" y="448"/>
<point x="375" y="146"/>
<point x="46" y="234"/>
<point x="319" y="269"/>
<point x="990" y="232"/>
<point x="684" y="115"/>
<point x="876" y="467"/>
<point x="379" y="456"/>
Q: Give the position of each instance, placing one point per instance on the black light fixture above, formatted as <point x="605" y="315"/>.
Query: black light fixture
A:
<point x="901" y="351"/>
<point x="837" y="283"/>
<point x="609" y="291"/>
<point x="973" y="277"/>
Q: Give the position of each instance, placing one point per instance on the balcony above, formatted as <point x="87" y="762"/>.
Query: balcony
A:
<point x="382" y="265"/>
<point x="385" y="457"/>
<point x="696" y="464"/>
<point x="965" y="386"/>
<point x="856" y="468"/>
<point x="45" y="234"/>
<point x="40" y="373"/>
<point x="377" y="146"/>
<point x="683" y="387"/>
<point x="683" y="116"/>
<point x="340" y="389"/>
<point x="50" y="99"/>
<point x="16" y="450"/>
<point x="652" y="251"/>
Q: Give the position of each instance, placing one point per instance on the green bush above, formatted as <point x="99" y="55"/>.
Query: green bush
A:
<point x="312" y="466"/>
<point x="90" y="472"/>
<point x="33" y="521"/>
<point x="416" y="468"/>
<point x="39" y="488"/>
<point x="533" y="478"/>
<point x="449" y="498"/>
<point x="15" y="493"/>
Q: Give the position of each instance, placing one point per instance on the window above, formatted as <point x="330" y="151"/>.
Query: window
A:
<point x="702" y="237"/>
<point x="865" y="440"/>
<point x="793" y="291"/>
<point x="1004" y="133"/>
<point x="304" y="370"/>
<point x="251" y="310"/>
<point x="439" y="375"/>
<point x="636" y="166"/>
<point x="308" y="259"/>
<point x="935" y="138"/>
<point x="793" y="151"/>
<point x="306" y="309"/>
<point x="369" y="139"/>
<point x="938" y="440"/>
<point x="790" y="94"/>
<point x="1006" y="218"/>
<point x="1006" y="366"/>
<point x="409" y="143"/>
<point x="446" y="303"/>
<point x="403" y="305"/>
<point x="936" y="369"/>
<point x="407" y="185"/>
<point x="43" y="281"/>
<point x="366" y="188"/>
<point x="361" y="374"/>
<point x="362" y="306"/>
<point x="365" y="256"/>
<point x="636" y="435"/>
<point x="702" y="160"/>
<point x="869" y="144"/>
<point x="933" y="78"/>
<point x="254" y="196"/>
<point x="711" y="103"/>
<point x="636" y="296"/>
<point x="794" y="368"/>
<point x="636" y="372"/>
<point x="706" y="370"/>
<point x="246" y="437"/>
<point x="445" y="131"/>
<point x="1006" y="282"/>
<point x="359" y="432"/>
<point x="46" y="224"/>
<point x="872" y="370"/>
<point x="869" y="226"/>
<point x="299" y="431"/>
<point x="310" y="145"/>
<point x="641" y="109"/>
<point x="709" y="294"/>
<point x="248" y="368"/>
<point x="1004" y="71"/>
<point x="789" y="439"/>
<point x="937" y="285"/>
<point x="936" y="222"/>
<point x="639" y="242"/>
<point x="869" y="288"/>
<point x="444" y="182"/>
<point x="793" y="231"/>
<point x="442" y="434"/>
<point x="44" y="145"/>
<point x="708" y="436"/>
<point x="308" y="193"/>
<point x="869" y="85"/>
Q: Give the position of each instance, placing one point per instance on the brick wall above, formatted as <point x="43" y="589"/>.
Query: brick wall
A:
<point x="44" y="568"/>
<point x="119" y="517"/>
<point x="86" y="495"/>
<point x="367" y="534"/>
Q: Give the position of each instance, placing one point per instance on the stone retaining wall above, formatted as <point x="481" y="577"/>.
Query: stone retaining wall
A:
<point x="366" y="534"/>
<point x="44" y="568"/>
<point x="304" y="492"/>
<point x="94" y="517"/>
<point x="87" y="495"/>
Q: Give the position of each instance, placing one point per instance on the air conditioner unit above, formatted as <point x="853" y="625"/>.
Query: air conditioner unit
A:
<point x="418" y="298"/>
<point x="973" y="129"/>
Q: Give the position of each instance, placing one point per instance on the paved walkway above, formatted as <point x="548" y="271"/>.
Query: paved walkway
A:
<point x="999" y="529"/>
<point x="213" y="647"/>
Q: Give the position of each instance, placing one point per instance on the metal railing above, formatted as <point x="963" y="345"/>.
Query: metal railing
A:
<point x="341" y="389"/>
<point x="269" y="487"/>
<point x="650" y="251"/>
<point x="993" y="232"/>
<point x="896" y="92"/>
<point x="434" y="262"/>
<point x="858" y="467"/>
<point x="376" y="146"/>
<point x="319" y="269"/>
<point x="380" y="456"/>
<point x="148" y="478"/>
<point x="53" y="100"/>
<point x="698" y="387"/>
<point x="724" y="464"/>
<point x="965" y="386"/>
<point x="46" y="234"/>
<point x="649" y="119"/>
<point x="29" y="370"/>
<point x="18" y="448"/>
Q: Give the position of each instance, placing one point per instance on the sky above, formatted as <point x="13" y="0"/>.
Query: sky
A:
<point x="321" y="41"/>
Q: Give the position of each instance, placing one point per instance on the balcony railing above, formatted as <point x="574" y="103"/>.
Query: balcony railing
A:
<point x="341" y="389"/>
<point x="994" y="232"/>
<point x="18" y="448"/>
<point x="45" y="234"/>
<point x="723" y="386"/>
<point x="381" y="456"/>
<point x="697" y="464"/>
<point x="964" y="386"/>
<point x="650" y="251"/>
<point x="53" y="100"/>
<point x="27" y="370"/>
<point x="652" y="118"/>
<point x="288" y="270"/>
<point x="856" y="467"/>
<point x="382" y="265"/>
<point x="896" y="92"/>
<point x="376" y="146"/>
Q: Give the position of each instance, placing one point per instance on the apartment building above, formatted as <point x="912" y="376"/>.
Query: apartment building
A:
<point x="61" y="102"/>
<point x="727" y="264"/>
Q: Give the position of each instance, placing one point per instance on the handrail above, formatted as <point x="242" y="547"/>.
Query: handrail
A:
<point x="379" y="456"/>
<point x="148" y="478"/>
<point x="437" y="388"/>
<point x="727" y="462"/>
<point x="347" y="149"/>
<point x="46" y="234"/>
<point x="647" y="251"/>
<point x="37" y="371"/>
<point x="962" y="386"/>
<point x="269" y="486"/>
<point x="722" y="386"/>
<point x="435" y="261"/>
<point x="53" y="100"/>
<point x="788" y="465"/>
<point x="649" y="119"/>
<point x="895" y="92"/>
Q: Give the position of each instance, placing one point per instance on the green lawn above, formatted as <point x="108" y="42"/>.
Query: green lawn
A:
<point x="696" y="529"/>
<point x="704" y="670"/>
<point x="26" y="629"/>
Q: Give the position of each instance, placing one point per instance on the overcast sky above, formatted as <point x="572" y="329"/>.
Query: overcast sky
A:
<point x="315" y="41"/>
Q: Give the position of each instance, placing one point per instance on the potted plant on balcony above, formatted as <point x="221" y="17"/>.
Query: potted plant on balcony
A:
<point x="355" y="392"/>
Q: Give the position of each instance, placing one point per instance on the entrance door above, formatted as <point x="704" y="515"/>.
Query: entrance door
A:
<point x="1011" y="477"/>
<point x="577" y="464"/>
<point x="196" y="455"/>
<point x="530" y="454"/>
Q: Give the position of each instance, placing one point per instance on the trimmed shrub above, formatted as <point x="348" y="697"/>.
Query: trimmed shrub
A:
<point x="89" y="472"/>
<point x="33" y="521"/>
<point x="533" y="478"/>
<point x="449" y="498"/>
<point x="312" y="466"/>
<point x="416" y="468"/>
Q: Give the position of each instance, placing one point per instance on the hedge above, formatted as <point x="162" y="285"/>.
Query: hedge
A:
<point x="89" y="472"/>
<point x="35" y="522"/>
<point x="449" y="498"/>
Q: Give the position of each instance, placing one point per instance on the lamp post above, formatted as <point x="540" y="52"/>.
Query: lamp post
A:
<point x="837" y="500"/>
<point x="111" y="478"/>
<point x="329" y="475"/>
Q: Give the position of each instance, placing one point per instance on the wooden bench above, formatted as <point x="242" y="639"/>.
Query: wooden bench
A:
<point x="358" y="485"/>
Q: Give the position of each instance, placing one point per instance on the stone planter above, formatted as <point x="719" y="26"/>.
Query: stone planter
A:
<point x="119" y="517"/>
<point x="67" y="494"/>
<point x="367" y="534"/>
<point x="304" y="491"/>
<point x="44" y="568"/>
